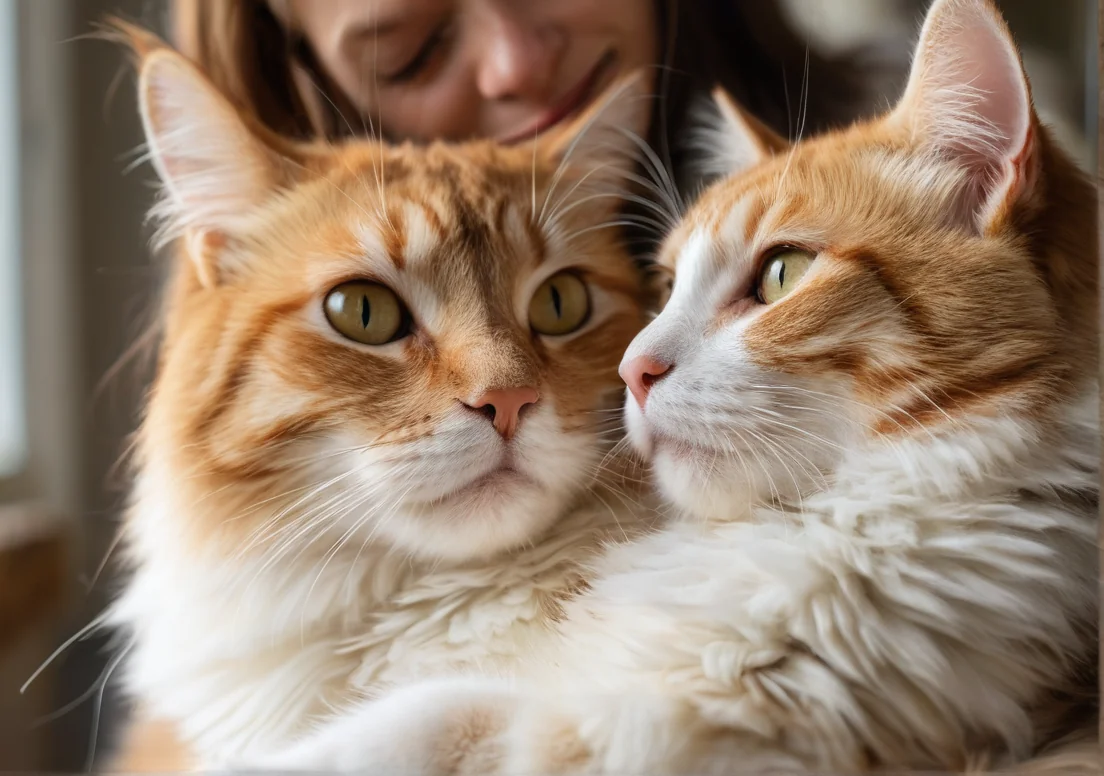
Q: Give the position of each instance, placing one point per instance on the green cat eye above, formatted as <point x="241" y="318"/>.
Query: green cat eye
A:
<point x="367" y="313"/>
<point x="560" y="306"/>
<point x="782" y="272"/>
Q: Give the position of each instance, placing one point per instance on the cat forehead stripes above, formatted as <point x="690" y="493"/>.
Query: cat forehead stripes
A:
<point x="417" y="227"/>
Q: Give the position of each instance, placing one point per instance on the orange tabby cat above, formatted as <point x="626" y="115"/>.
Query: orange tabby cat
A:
<point x="873" y="397"/>
<point x="388" y="380"/>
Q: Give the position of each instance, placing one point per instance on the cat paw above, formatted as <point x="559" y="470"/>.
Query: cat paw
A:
<point x="434" y="728"/>
<point x="600" y="734"/>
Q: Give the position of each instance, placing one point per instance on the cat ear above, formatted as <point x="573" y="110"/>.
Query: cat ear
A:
<point x="214" y="168"/>
<point x="731" y="140"/>
<point x="968" y="99"/>
<point x="608" y="138"/>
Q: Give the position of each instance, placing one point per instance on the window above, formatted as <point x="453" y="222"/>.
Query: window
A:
<point x="13" y="440"/>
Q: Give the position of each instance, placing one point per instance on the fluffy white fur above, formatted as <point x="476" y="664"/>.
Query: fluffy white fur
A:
<point x="933" y="589"/>
<point x="913" y="608"/>
<point x="930" y="605"/>
<point x="903" y="603"/>
<point x="245" y="658"/>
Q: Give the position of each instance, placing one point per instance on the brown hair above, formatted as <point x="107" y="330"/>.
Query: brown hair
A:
<point x="249" y="55"/>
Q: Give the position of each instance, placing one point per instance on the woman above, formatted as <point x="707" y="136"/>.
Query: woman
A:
<point x="454" y="69"/>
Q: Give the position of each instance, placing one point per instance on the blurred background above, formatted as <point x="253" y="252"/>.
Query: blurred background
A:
<point x="77" y="285"/>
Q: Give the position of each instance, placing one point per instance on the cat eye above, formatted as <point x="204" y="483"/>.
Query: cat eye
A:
<point x="560" y="306"/>
<point x="367" y="313"/>
<point x="782" y="272"/>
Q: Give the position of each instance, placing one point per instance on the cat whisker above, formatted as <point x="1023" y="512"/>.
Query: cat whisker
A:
<point x="330" y="511"/>
<point x="312" y="523"/>
<point x="314" y="488"/>
<point x="339" y="189"/>
<point x="776" y="496"/>
<point x="564" y="162"/>
<point x="772" y="446"/>
<point x="625" y="197"/>
<point x="97" y="622"/>
<point x="94" y="732"/>
<point x="613" y="514"/>
<point x="548" y="220"/>
<point x="260" y="532"/>
<point x="103" y="563"/>
<point x="606" y="410"/>
<point x="830" y="400"/>
<point x="376" y="169"/>
<point x="607" y="225"/>
<point x="533" y="184"/>
<point x="376" y="129"/>
<point x="603" y="475"/>
<point x="796" y="429"/>
<point x="325" y="512"/>
<point x="666" y="222"/>
<point x="803" y="107"/>
<point x="618" y="449"/>
<point x="664" y="184"/>
<point x="371" y="534"/>
<point x="934" y="405"/>
<point x="341" y="542"/>
<point x="768" y="438"/>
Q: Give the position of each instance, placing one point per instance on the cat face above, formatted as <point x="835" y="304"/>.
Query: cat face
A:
<point x="887" y="282"/>
<point x="414" y="346"/>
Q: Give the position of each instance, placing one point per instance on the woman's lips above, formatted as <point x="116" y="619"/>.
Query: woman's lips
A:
<point x="571" y="102"/>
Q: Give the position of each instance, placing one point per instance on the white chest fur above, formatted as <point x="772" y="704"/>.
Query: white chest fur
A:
<point x="242" y="656"/>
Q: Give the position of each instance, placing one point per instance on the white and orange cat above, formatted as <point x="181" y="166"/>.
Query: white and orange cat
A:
<point x="873" y="396"/>
<point x="377" y="446"/>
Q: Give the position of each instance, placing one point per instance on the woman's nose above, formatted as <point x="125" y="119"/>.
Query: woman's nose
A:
<point x="518" y="57"/>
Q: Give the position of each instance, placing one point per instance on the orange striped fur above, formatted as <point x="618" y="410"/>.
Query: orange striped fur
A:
<point x="271" y="440"/>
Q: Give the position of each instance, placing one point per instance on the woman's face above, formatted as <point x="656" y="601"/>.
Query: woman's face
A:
<point x="458" y="69"/>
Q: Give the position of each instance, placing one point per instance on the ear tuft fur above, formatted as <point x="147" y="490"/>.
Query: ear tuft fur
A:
<point x="215" y="167"/>
<point x="968" y="99"/>
<point x="727" y="139"/>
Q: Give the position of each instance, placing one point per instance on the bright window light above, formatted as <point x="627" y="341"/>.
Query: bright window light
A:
<point x="13" y="435"/>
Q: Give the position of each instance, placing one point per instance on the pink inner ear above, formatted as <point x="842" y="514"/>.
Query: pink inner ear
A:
<point x="968" y="95"/>
<point x="214" y="170"/>
<point x="990" y="83"/>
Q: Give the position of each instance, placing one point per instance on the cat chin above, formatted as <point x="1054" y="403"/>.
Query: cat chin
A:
<point x="699" y="487"/>
<point x="707" y="484"/>
<point x="702" y="482"/>
<point x="475" y="524"/>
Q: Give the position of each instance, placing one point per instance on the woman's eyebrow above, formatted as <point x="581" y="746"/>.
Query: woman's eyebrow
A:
<point x="395" y="16"/>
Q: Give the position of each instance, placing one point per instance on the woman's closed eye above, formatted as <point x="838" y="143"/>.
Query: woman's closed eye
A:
<point x="424" y="56"/>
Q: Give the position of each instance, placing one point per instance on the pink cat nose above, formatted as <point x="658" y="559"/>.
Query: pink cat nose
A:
<point x="640" y="373"/>
<point x="503" y="406"/>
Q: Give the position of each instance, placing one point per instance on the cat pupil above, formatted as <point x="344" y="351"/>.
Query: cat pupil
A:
<point x="556" y="302"/>
<point x="781" y="273"/>
<point x="365" y="311"/>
